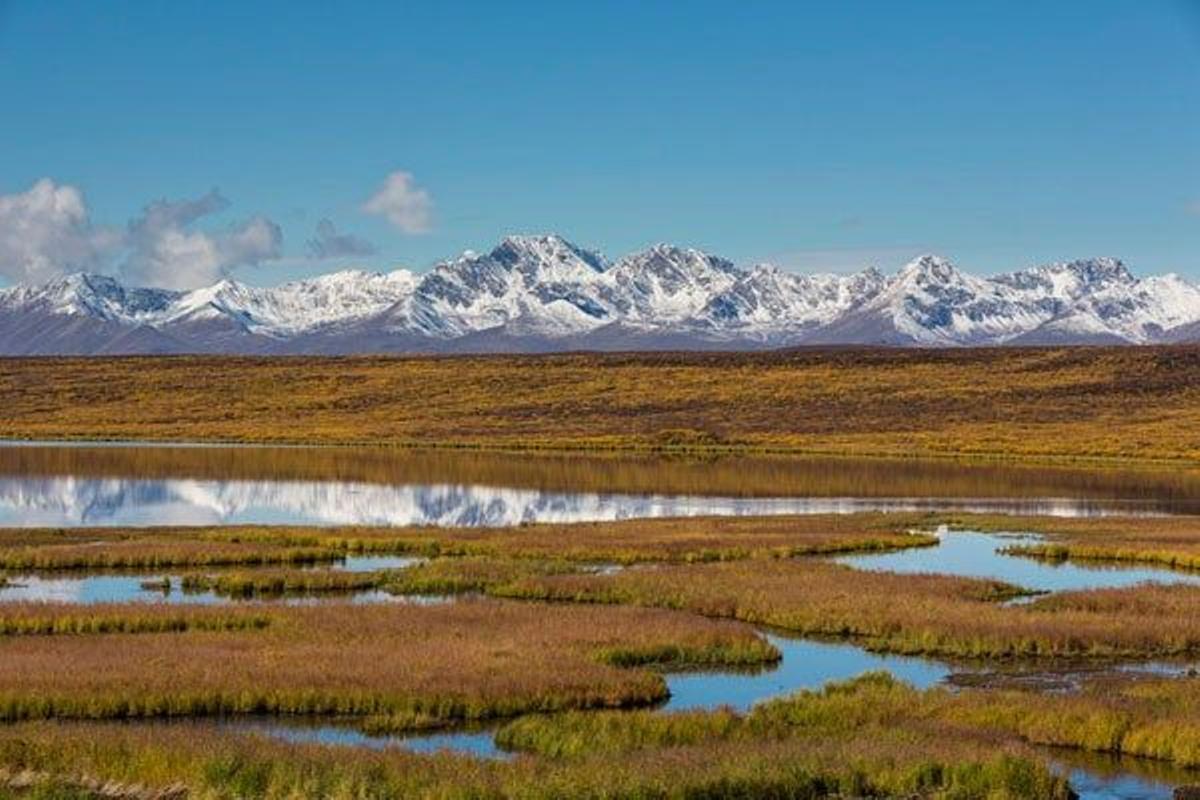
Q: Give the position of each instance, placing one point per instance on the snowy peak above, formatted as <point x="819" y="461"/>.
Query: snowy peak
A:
<point x="89" y="294"/>
<point x="547" y="257"/>
<point x="929" y="270"/>
<point x="544" y="293"/>
<point x="668" y="284"/>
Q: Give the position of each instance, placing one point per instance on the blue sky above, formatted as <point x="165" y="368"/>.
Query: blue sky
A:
<point x="816" y="135"/>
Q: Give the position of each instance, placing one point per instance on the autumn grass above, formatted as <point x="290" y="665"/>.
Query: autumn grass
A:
<point x="1130" y="715"/>
<point x="469" y="660"/>
<point x="142" y="549"/>
<point x="935" y="615"/>
<point x="824" y="763"/>
<point x="41" y="619"/>
<point x="274" y="583"/>
<point x="470" y="574"/>
<point x="693" y="539"/>
<point x="1073" y="402"/>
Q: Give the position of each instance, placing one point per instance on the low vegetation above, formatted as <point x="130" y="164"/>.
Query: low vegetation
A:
<point x="821" y="763"/>
<point x="273" y="582"/>
<point x="632" y="541"/>
<point x="914" y="614"/>
<point x="1147" y="717"/>
<point x="469" y="660"/>
<point x="39" y="619"/>
<point x="1124" y="715"/>
<point x="470" y="574"/>
<point x="1038" y="402"/>
<point x="143" y="549"/>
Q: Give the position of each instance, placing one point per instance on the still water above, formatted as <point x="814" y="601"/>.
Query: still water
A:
<point x="978" y="555"/>
<point x="164" y="485"/>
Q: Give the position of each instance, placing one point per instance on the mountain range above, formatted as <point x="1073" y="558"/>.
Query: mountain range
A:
<point x="543" y="293"/>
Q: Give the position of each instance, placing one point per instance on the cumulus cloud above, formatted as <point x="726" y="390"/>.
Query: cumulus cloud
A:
<point x="164" y="249"/>
<point x="402" y="203"/>
<point x="328" y="243"/>
<point x="46" y="231"/>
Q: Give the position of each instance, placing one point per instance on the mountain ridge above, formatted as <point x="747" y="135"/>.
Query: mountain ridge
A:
<point x="544" y="293"/>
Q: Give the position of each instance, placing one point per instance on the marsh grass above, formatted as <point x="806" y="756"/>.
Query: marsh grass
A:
<point x="38" y="619"/>
<point x="911" y="614"/>
<point x="873" y="763"/>
<point x="626" y="542"/>
<point x="469" y="660"/>
<point x="277" y="583"/>
<point x="1147" y="717"/>
<point x="150" y="549"/>
<point x="470" y="574"/>
<point x="695" y="539"/>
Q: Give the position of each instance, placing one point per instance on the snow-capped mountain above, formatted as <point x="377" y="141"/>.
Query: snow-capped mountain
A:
<point x="540" y="293"/>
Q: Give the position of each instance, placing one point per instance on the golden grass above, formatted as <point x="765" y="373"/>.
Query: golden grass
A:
<point x="826" y="763"/>
<point x="142" y="548"/>
<point x="915" y="614"/>
<point x="1043" y="402"/>
<point x="1145" y="717"/>
<point x="470" y="574"/>
<point x="463" y="661"/>
<point x="631" y="541"/>
<point x="698" y="539"/>
<point x="44" y="619"/>
<point x="1129" y="715"/>
<point x="275" y="582"/>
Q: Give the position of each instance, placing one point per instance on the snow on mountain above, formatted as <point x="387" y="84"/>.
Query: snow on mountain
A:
<point x="544" y="282"/>
<point x="666" y="284"/>
<point x="545" y="293"/>
<point x="767" y="303"/>
<point x="298" y="306"/>
<point x="84" y="294"/>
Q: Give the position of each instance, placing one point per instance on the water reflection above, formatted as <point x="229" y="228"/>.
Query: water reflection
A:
<point x="1097" y="776"/>
<point x="66" y="502"/>
<point x="45" y="484"/>
<point x="168" y="589"/>
<point x="479" y="742"/>
<point x="977" y="555"/>
<point x="806" y="664"/>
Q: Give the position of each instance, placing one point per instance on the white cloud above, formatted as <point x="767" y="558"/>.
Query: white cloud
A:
<point x="46" y="231"/>
<point x="165" y="251"/>
<point x="328" y="243"/>
<point x="402" y="203"/>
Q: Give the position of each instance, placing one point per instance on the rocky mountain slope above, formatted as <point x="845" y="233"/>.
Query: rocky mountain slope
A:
<point x="543" y="293"/>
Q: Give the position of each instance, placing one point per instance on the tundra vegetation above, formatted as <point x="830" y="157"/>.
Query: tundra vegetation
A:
<point x="276" y="582"/>
<point x="470" y="660"/>
<point x="563" y="637"/>
<point x="829" y="762"/>
<point x="1019" y="402"/>
<point x="699" y="539"/>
